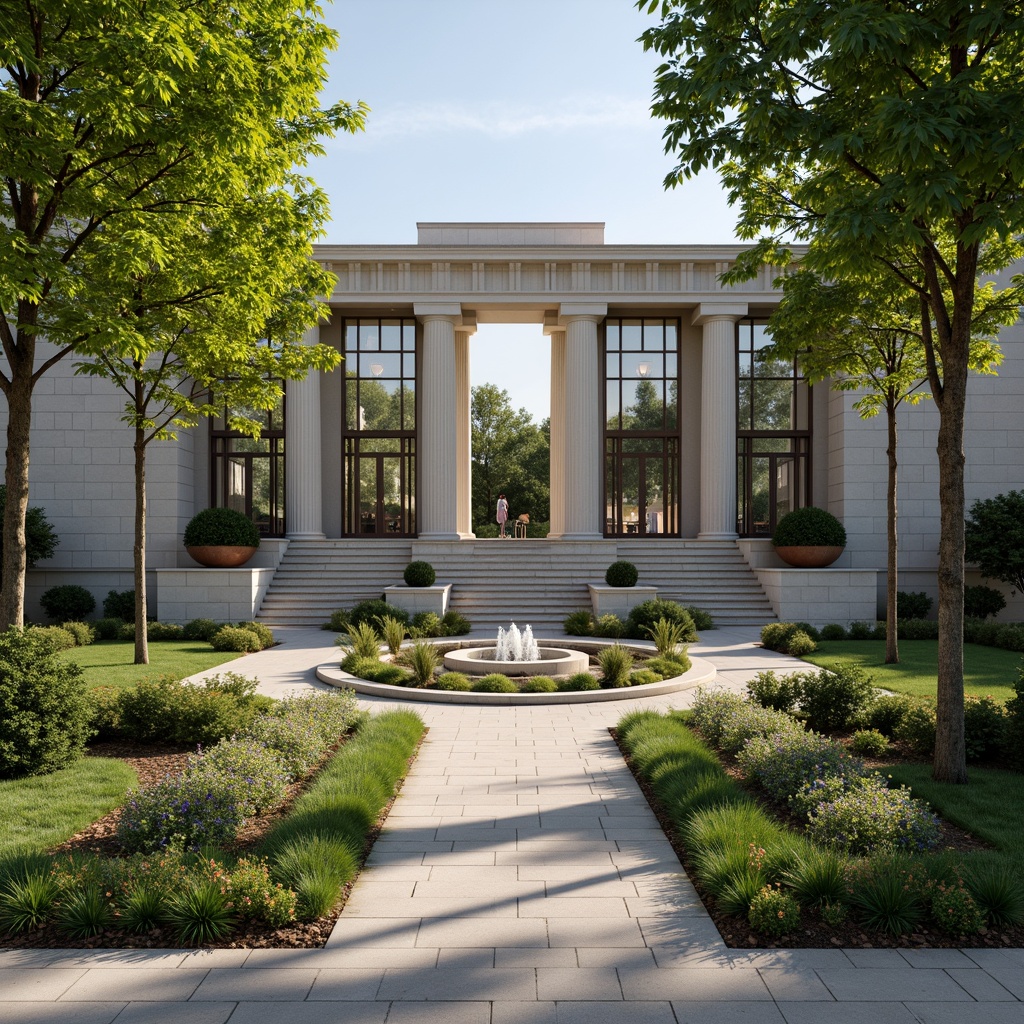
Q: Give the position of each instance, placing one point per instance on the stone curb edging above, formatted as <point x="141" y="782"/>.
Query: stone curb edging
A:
<point x="699" y="673"/>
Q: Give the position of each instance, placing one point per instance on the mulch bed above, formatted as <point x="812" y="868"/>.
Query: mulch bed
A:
<point x="153" y="762"/>
<point x="813" y="932"/>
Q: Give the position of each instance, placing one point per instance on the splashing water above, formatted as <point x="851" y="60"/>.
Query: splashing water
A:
<point x="516" y="646"/>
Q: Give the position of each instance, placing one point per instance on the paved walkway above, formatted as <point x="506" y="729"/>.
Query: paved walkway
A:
<point x="521" y="879"/>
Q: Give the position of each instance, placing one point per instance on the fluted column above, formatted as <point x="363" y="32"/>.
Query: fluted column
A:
<point x="303" y="487"/>
<point x="437" y="505"/>
<point x="582" y="447"/>
<point x="718" y="419"/>
<point x="556" y="482"/>
<point x="463" y="431"/>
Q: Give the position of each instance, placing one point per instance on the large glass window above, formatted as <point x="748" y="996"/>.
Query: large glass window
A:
<point x="773" y="406"/>
<point x="247" y="473"/>
<point x="641" y="396"/>
<point x="379" y="427"/>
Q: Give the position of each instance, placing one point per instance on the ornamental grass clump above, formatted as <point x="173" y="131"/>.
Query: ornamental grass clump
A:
<point x="667" y="635"/>
<point x="616" y="664"/>
<point x="393" y="632"/>
<point x="361" y="640"/>
<point x="423" y="660"/>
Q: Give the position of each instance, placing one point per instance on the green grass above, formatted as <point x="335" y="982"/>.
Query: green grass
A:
<point x="988" y="807"/>
<point x="110" y="663"/>
<point x="44" y="810"/>
<point x="988" y="671"/>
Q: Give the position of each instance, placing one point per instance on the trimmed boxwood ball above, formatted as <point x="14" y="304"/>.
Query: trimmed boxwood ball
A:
<point x="621" y="574"/>
<point x="809" y="527"/>
<point x="495" y="683"/>
<point x="221" y="527"/>
<point x="419" y="574"/>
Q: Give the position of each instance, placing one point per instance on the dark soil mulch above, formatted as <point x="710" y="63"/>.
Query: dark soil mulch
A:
<point x="813" y="932"/>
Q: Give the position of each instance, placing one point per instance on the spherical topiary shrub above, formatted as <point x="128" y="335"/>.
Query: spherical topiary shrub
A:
<point x="621" y="574"/>
<point x="44" y="713"/>
<point x="809" y="527"/>
<point x="221" y="527"/>
<point x="495" y="683"/>
<point x="67" y="603"/>
<point x="419" y="574"/>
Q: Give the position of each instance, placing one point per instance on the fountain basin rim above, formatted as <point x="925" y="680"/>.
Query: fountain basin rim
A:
<point x="481" y="661"/>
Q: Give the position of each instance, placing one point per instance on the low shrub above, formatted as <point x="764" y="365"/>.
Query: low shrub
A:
<point x="261" y="772"/>
<point x="296" y="742"/>
<point x="455" y="624"/>
<point x="119" y="604"/>
<point x="917" y="728"/>
<point x="869" y="743"/>
<point x="913" y="605"/>
<point x="495" y="683"/>
<point x="887" y="711"/>
<point x="773" y="912"/>
<point x="67" y="602"/>
<point x="1013" y="729"/>
<point x="978" y="631"/>
<point x="159" y="631"/>
<point x="644" y="677"/>
<point x="381" y="672"/>
<point x="538" y="684"/>
<point x="339" y="621"/>
<point x="453" y="681"/>
<point x="265" y="634"/>
<point x="833" y="697"/>
<point x="955" y="911"/>
<point x="701" y="619"/>
<point x="257" y="897"/>
<point x="609" y="627"/>
<point x="616" y="664"/>
<point x="232" y="638"/>
<point x="373" y="609"/>
<point x="861" y="631"/>
<point x="579" y="623"/>
<point x="669" y="666"/>
<point x="833" y="631"/>
<point x="200" y="629"/>
<point x="425" y="624"/>
<point x="800" y="644"/>
<point x="726" y="721"/>
<point x="578" y="681"/>
<point x="868" y="816"/>
<point x="44" y="713"/>
<point x="221" y="527"/>
<point x="984" y="728"/>
<point x="917" y="629"/>
<point x="419" y="574"/>
<point x="1010" y="638"/>
<point x="56" y="638"/>
<point x="107" y="629"/>
<point x="104" y="714"/>
<point x="621" y="574"/>
<point x="127" y="632"/>
<point x="784" y="763"/>
<point x="980" y="602"/>
<point x="643" y="616"/>
<point x="81" y="631"/>
<point x="770" y="690"/>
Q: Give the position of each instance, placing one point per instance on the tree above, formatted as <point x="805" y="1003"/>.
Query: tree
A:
<point x="215" y="313"/>
<point x="876" y="132"/>
<point x="995" y="538"/>
<point x="866" y="336"/>
<point x="511" y="454"/>
<point x="106" y="109"/>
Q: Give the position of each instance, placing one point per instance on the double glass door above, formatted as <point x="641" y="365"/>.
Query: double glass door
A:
<point x="642" y="487"/>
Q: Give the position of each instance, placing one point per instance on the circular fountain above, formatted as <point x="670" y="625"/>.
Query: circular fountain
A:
<point x="517" y="653"/>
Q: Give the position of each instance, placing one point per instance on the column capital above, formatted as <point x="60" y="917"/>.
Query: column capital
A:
<point x="595" y="312"/>
<point x="552" y="324"/>
<point x="708" y="311"/>
<point x="466" y="324"/>
<point x="451" y="311"/>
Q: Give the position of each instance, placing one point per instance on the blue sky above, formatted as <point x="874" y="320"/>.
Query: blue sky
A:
<point x="491" y="110"/>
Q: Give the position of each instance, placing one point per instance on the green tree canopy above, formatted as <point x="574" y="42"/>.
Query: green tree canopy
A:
<point x="118" y="118"/>
<point x="884" y="135"/>
<point x="511" y="454"/>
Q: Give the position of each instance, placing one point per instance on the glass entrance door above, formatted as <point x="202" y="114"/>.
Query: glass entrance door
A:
<point x="379" y="488"/>
<point x="642" y="488"/>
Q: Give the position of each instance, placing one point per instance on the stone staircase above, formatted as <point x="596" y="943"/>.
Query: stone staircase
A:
<point x="529" y="582"/>
<point x="710" y="574"/>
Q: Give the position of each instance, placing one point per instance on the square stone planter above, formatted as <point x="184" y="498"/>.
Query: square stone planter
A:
<point x="420" y="599"/>
<point x="618" y="600"/>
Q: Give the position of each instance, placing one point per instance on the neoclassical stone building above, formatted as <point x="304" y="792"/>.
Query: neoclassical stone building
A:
<point x="672" y="443"/>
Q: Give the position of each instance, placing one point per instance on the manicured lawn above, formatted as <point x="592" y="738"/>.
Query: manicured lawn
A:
<point x="110" y="663"/>
<point x="44" y="810"/>
<point x="989" y="806"/>
<point x="988" y="671"/>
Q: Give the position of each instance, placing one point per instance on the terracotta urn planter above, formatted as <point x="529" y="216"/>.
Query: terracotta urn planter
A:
<point x="809" y="556"/>
<point x="221" y="556"/>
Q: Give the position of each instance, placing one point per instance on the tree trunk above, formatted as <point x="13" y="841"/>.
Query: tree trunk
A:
<point x="950" y="762"/>
<point x="141" y="635"/>
<point x="892" y="653"/>
<point x="19" y="420"/>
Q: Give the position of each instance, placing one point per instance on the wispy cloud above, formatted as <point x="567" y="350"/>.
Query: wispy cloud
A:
<point x="505" y="121"/>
